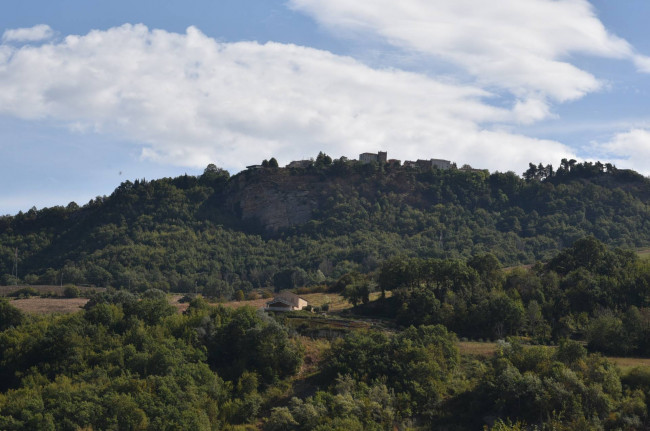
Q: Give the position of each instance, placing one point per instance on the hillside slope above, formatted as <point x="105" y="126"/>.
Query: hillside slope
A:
<point x="270" y="226"/>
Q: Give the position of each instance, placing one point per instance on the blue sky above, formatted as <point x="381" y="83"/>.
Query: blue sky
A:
<point x="95" y="93"/>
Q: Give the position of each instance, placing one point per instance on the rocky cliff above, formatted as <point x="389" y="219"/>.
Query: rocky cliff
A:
<point x="276" y="201"/>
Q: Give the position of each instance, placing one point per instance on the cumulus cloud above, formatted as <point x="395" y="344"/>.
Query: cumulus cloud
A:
<point x="630" y="150"/>
<point x="190" y="100"/>
<point x="523" y="46"/>
<point x="31" y="34"/>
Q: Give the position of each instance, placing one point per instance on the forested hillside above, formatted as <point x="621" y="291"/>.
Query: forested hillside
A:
<point x="285" y="227"/>
<point x="131" y="362"/>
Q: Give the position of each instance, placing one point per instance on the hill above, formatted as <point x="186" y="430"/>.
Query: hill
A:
<point x="299" y="226"/>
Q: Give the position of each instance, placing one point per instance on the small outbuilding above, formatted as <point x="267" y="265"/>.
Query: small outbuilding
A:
<point x="286" y="301"/>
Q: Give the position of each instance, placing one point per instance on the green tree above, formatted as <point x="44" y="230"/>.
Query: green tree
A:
<point x="358" y="292"/>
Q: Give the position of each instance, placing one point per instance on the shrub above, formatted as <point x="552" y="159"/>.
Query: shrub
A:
<point x="25" y="292"/>
<point x="71" y="291"/>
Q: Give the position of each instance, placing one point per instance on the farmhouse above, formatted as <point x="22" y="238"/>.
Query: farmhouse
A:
<point x="286" y="301"/>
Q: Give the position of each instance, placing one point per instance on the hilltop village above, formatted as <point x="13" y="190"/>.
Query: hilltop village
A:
<point x="366" y="158"/>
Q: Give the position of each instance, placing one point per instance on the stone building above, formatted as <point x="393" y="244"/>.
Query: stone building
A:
<point x="380" y="157"/>
<point x="286" y="301"/>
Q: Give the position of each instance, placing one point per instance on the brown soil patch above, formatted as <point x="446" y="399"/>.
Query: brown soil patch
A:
<point x="49" y="305"/>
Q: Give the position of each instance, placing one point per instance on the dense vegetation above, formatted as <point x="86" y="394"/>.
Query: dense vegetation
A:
<point x="586" y="292"/>
<point x="129" y="361"/>
<point x="436" y="241"/>
<point x="132" y="363"/>
<point x="187" y="233"/>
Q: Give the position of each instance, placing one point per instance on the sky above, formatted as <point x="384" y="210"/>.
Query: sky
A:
<point x="96" y="93"/>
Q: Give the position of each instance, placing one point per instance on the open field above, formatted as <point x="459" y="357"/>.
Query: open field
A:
<point x="627" y="363"/>
<point x="644" y="253"/>
<point x="49" y="305"/>
<point x="476" y="348"/>
<point x="335" y="301"/>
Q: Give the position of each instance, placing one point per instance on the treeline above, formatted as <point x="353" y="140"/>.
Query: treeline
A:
<point x="137" y="365"/>
<point x="587" y="292"/>
<point x="186" y="234"/>
<point x="130" y="361"/>
<point x="133" y="363"/>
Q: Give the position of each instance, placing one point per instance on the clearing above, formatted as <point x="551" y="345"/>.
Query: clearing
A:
<point x="49" y="305"/>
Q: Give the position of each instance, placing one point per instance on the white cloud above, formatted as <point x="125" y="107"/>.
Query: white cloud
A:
<point x="32" y="34"/>
<point x="190" y="100"/>
<point x="642" y="63"/>
<point x="523" y="46"/>
<point x="630" y="150"/>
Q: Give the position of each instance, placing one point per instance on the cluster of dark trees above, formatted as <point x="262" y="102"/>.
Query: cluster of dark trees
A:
<point x="587" y="292"/>
<point x="181" y="234"/>
<point x="416" y="380"/>
<point x="569" y="168"/>
<point x="132" y="363"/>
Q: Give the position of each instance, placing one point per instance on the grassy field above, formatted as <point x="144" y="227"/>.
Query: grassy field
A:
<point x="336" y="302"/>
<point x="49" y="305"/>
<point x="475" y="348"/>
<point x="628" y="363"/>
<point x="486" y="350"/>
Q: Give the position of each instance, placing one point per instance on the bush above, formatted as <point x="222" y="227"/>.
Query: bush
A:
<point x="31" y="279"/>
<point x="25" y="292"/>
<point x="71" y="291"/>
<point x="185" y="298"/>
<point x="9" y="315"/>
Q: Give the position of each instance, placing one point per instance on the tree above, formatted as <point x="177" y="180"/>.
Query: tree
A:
<point x="357" y="293"/>
<point x="488" y="268"/>
<point x="71" y="291"/>
<point x="273" y="163"/>
<point x="393" y="273"/>
<point x="213" y="172"/>
<point x="9" y="315"/>
<point x="323" y="159"/>
<point x="531" y="173"/>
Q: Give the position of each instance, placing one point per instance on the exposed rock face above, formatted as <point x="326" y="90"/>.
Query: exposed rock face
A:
<point x="276" y="201"/>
